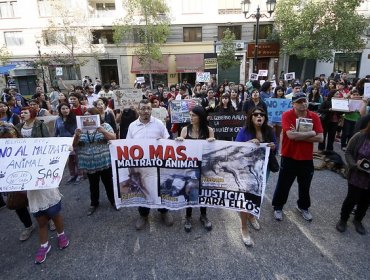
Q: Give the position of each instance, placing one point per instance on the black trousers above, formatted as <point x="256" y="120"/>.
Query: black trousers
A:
<point x="358" y="196"/>
<point x="94" y="179"/>
<point x="144" y="211"/>
<point x="24" y="216"/>
<point x="330" y="129"/>
<point x="189" y="211"/>
<point x="291" y="169"/>
<point x="347" y="132"/>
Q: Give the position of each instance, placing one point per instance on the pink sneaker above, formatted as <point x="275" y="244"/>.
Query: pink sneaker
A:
<point x="63" y="241"/>
<point x="41" y="254"/>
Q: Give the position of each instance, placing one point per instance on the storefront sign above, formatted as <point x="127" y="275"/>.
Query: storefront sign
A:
<point x="264" y="50"/>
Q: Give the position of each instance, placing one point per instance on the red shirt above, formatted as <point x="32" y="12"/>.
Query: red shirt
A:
<point x="298" y="150"/>
<point x="79" y="111"/>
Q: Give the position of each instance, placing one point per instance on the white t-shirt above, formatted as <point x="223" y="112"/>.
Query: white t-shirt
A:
<point x="154" y="129"/>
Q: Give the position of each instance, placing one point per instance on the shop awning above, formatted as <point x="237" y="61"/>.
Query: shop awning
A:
<point x="152" y="66"/>
<point x="189" y="63"/>
<point x="4" y="70"/>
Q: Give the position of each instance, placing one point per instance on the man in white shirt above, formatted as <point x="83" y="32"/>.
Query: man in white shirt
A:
<point x="148" y="127"/>
<point x="91" y="96"/>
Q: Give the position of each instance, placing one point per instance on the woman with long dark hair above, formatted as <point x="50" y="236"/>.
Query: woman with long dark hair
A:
<point x="329" y="121"/>
<point x="8" y="130"/>
<point x="256" y="130"/>
<point x="197" y="129"/>
<point x="358" y="159"/>
<point x="6" y="115"/>
<point x="65" y="126"/>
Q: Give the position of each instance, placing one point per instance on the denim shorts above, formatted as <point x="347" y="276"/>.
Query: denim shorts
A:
<point x="50" y="212"/>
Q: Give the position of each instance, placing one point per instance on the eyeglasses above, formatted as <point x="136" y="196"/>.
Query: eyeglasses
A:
<point x="145" y="109"/>
<point x="258" y="115"/>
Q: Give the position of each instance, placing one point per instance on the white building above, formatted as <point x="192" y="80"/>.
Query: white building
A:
<point x="196" y="29"/>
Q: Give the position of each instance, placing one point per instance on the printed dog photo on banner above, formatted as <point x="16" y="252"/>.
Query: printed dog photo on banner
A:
<point x="234" y="168"/>
<point x="180" y="186"/>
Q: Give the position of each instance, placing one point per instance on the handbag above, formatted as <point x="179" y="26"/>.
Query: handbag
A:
<point x="17" y="200"/>
<point x="273" y="164"/>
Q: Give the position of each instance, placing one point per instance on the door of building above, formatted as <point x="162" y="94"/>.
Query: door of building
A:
<point x="26" y="84"/>
<point x="108" y="71"/>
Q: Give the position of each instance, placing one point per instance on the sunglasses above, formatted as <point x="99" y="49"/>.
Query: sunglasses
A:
<point x="259" y="115"/>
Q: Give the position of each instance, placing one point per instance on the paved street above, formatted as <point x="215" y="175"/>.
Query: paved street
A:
<point x="107" y="246"/>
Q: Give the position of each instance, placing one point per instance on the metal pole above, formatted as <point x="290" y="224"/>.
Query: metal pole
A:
<point x="43" y="73"/>
<point x="258" y="15"/>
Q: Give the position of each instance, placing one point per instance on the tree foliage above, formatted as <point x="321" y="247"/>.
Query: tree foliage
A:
<point x="226" y="58"/>
<point x="313" y="29"/>
<point x="4" y="55"/>
<point x="149" y="23"/>
<point x="69" y="29"/>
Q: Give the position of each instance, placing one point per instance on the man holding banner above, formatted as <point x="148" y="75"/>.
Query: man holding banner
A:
<point x="148" y="127"/>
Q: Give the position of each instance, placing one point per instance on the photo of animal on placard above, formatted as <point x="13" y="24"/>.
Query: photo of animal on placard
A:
<point x="88" y="122"/>
<point x="238" y="168"/>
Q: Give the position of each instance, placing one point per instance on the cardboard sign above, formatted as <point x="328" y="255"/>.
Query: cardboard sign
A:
<point x="203" y="77"/>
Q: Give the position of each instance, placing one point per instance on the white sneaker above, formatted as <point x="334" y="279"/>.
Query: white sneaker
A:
<point x="278" y="214"/>
<point x="26" y="233"/>
<point x="305" y="214"/>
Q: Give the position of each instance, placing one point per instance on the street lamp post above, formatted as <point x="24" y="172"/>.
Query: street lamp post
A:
<point x="270" y="9"/>
<point x="38" y="44"/>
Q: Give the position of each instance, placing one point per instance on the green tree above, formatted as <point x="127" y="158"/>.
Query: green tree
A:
<point x="147" y="21"/>
<point x="226" y="58"/>
<point x="4" y="55"/>
<point x="69" y="29"/>
<point x="314" y="29"/>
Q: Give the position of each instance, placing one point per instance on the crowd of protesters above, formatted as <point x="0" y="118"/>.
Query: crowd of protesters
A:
<point x="90" y="156"/>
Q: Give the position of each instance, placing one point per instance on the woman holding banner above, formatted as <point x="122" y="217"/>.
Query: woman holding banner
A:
<point x="256" y="130"/>
<point x="7" y="130"/>
<point x="279" y="92"/>
<point x="46" y="204"/>
<point x="197" y="129"/>
<point x="65" y="126"/>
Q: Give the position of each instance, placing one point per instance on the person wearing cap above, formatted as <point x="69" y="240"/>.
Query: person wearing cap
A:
<point x="296" y="88"/>
<point x="297" y="156"/>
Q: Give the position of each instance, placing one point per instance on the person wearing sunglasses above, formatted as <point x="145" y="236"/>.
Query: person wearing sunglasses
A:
<point x="297" y="156"/>
<point x="256" y="130"/>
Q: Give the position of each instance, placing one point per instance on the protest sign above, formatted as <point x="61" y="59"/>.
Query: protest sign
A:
<point x="263" y="73"/>
<point x="354" y="105"/>
<point x="160" y="113"/>
<point x="126" y="99"/>
<point x="49" y="121"/>
<point x="179" y="109"/>
<point x="340" y="104"/>
<point x="32" y="163"/>
<point x="178" y="174"/>
<point x="203" y="77"/>
<point x="226" y="125"/>
<point x="140" y="80"/>
<point x="276" y="107"/>
<point x="289" y="76"/>
<point x="88" y="122"/>
<point x="253" y="76"/>
<point x="367" y="90"/>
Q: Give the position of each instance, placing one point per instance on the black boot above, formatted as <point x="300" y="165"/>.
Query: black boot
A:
<point x="341" y="225"/>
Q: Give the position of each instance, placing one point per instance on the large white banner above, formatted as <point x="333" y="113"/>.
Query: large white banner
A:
<point x="191" y="173"/>
<point x="32" y="163"/>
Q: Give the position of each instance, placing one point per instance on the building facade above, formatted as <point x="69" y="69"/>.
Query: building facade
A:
<point x="196" y="31"/>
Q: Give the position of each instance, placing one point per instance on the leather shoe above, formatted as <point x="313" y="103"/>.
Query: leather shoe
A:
<point x="91" y="210"/>
<point x="141" y="222"/>
<point x="359" y="227"/>
<point x="341" y="226"/>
